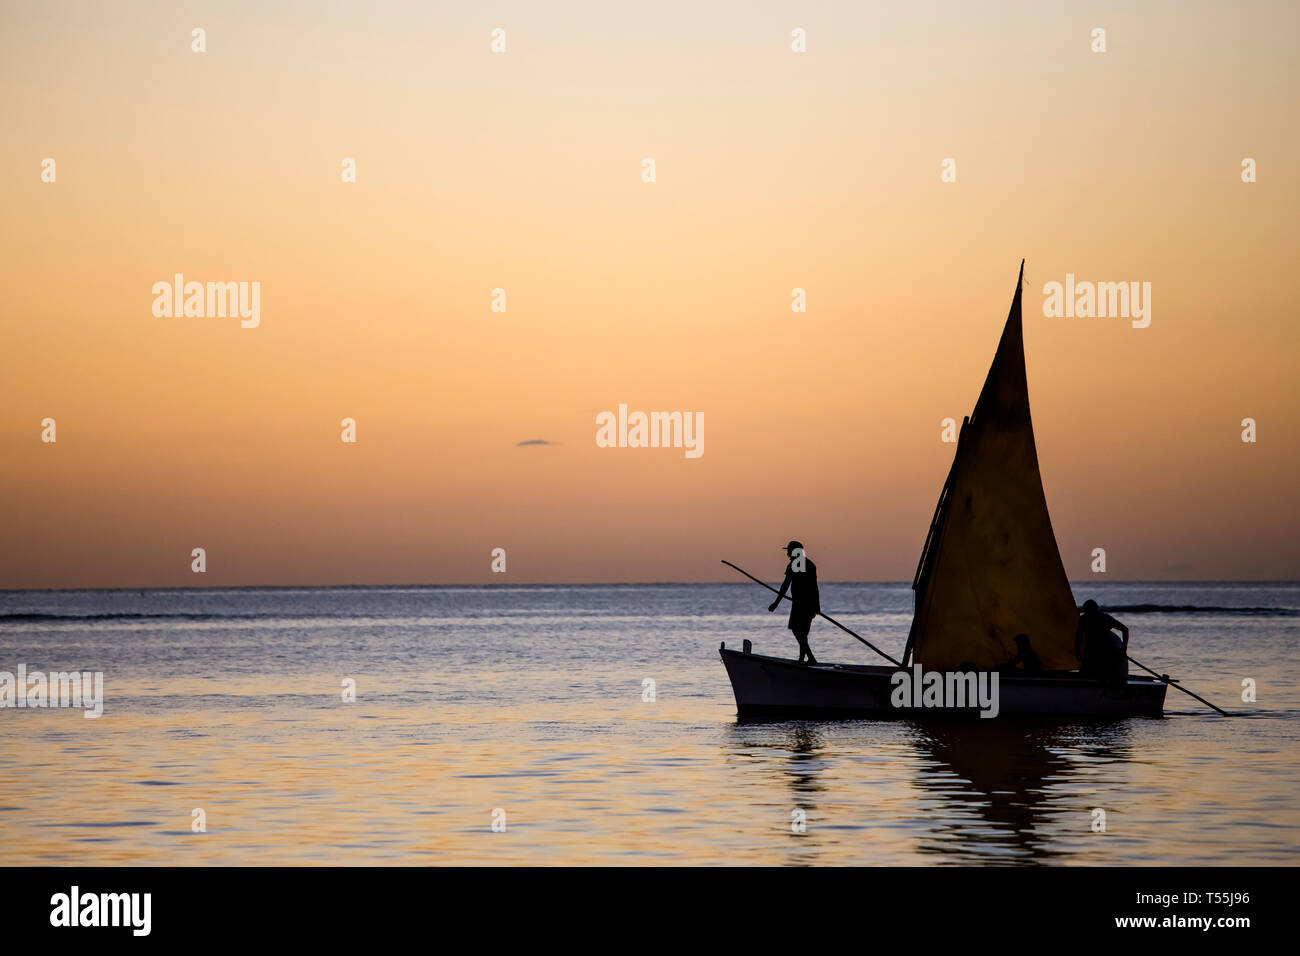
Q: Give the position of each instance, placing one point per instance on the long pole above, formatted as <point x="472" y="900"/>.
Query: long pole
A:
<point x="819" y="614"/>
<point x="1173" y="683"/>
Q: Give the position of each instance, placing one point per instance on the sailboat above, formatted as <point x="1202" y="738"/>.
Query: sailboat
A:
<point x="989" y="580"/>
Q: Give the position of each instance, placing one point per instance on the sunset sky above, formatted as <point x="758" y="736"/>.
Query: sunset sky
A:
<point x="523" y="171"/>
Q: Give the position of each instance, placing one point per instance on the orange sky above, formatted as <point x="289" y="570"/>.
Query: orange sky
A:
<point x="522" y="170"/>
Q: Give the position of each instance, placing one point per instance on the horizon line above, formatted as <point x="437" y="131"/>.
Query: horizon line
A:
<point x="572" y="584"/>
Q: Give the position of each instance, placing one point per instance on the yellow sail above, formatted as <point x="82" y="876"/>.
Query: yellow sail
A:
<point x="991" y="569"/>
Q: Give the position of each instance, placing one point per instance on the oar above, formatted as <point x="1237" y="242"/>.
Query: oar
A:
<point x="819" y="614"/>
<point x="1173" y="683"/>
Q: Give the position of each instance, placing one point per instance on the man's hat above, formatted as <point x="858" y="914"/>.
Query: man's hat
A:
<point x="794" y="544"/>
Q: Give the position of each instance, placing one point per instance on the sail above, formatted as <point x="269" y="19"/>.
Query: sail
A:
<point x="991" y="569"/>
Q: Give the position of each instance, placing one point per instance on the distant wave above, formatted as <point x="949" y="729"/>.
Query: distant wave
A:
<point x="1200" y="609"/>
<point x="20" y="618"/>
<point x="136" y="616"/>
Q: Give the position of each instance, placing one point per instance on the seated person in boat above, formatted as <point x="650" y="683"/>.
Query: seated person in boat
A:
<point x="1025" y="661"/>
<point x="801" y="582"/>
<point x="1102" y="653"/>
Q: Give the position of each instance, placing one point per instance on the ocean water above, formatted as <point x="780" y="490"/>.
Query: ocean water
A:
<point x="525" y="706"/>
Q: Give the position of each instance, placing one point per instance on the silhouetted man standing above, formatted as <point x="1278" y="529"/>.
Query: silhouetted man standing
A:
<point x="801" y="581"/>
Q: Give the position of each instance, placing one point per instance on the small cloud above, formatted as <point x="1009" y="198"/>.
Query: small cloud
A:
<point x="535" y="441"/>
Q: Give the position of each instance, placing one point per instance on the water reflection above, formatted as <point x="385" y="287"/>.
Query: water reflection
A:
<point x="996" y="791"/>
<point x="797" y="752"/>
<point x="806" y="763"/>
<point x="1001" y="791"/>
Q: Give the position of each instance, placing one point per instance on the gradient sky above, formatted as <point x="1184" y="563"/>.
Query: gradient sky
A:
<point x="522" y="171"/>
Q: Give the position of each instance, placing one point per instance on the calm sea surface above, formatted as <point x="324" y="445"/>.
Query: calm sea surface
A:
<point x="529" y="700"/>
